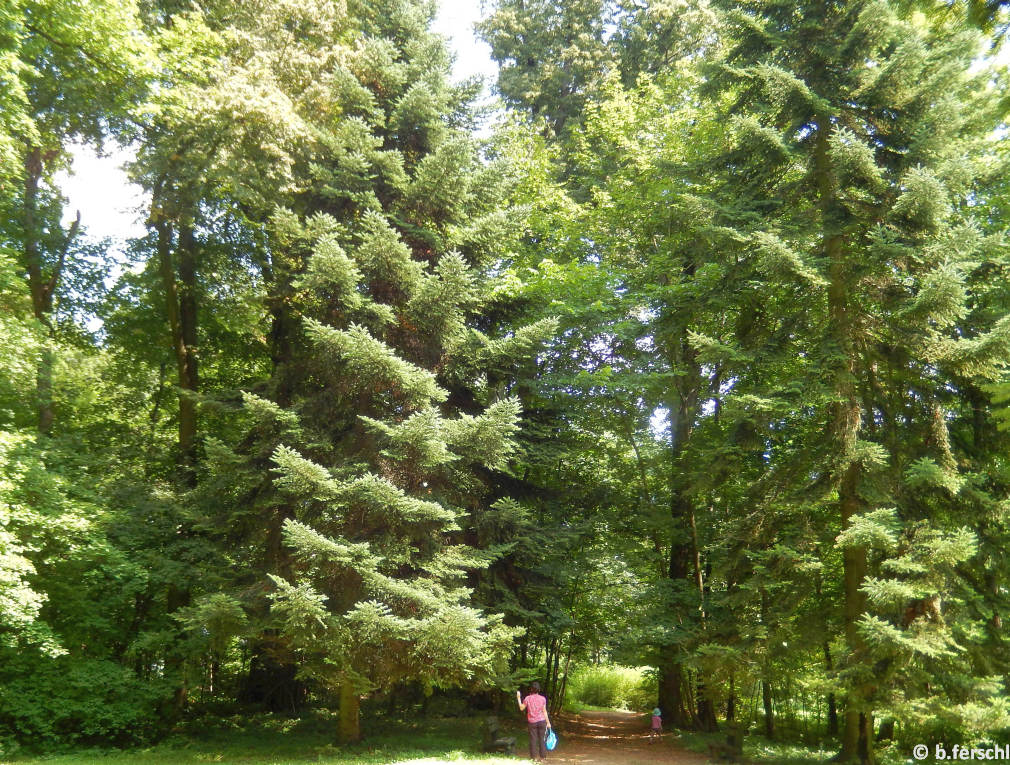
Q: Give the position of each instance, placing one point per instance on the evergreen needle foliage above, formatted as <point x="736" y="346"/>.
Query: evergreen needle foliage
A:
<point x="691" y="355"/>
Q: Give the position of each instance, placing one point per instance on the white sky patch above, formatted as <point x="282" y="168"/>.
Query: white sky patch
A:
<point x="659" y="423"/>
<point x="455" y="21"/>
<point x="110" y="205"/>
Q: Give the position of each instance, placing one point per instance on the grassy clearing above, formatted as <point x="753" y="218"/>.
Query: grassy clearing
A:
<point x="576" y="707"/>
<point x="758" y="749"/>
<point x="271" y="741"/>
<point x="610" y="686"/>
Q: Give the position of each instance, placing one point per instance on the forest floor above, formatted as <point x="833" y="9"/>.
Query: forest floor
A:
<point x="587" y="738"/>
<point x="616" y="738"/>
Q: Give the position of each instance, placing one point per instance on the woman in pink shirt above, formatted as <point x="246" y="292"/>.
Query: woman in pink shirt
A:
<point x="535" y="707"/>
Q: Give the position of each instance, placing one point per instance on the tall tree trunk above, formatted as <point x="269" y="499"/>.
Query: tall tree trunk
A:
<point x="731" y="700"/>
<point x="766" y="689"/>
<point x="272" y="680"/>
<point x="766" y="700"/>
<point x="706" y="708"/>
<point x="41" y="302"/>
<point x="41" y="285"/>
<point x="845" y="423"/>
<point x="682" y="411"/>
<point x="832" y="706"/>
<point x="560" y="700"/>
<point x="671" y="691"/>
<point x="181" y="310"/>
<point x="189" y="380"/>
<point x="671" y="669"/>
<point x="175" y="663"/>
<point x="682" y="555"/>
<point x="349" y="722"/>
<point x="553" y="668"/>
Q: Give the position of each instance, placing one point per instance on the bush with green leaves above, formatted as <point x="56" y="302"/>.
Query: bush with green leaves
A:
<point x="70" y="700"/>
<point x="612" y="686"/>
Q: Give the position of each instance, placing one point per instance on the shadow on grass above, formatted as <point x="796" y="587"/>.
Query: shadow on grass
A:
<point x="271" y="740"/>
<point x="758" y="749"/>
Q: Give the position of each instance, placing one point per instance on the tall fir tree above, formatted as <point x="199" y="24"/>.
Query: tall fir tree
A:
<point x="864" y="135"/>
<point x="366" y="457"/>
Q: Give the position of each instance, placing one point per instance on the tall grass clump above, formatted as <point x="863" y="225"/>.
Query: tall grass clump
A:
<point x="611" y="686"/>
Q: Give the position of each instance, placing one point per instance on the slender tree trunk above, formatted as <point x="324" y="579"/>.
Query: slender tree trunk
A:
<point x="691" y="688"/>
<point x="682" y="407"/>
<point x="41" y="303"/>
<point x="766" y="690"/>
<point x="175" y="664"/>
<point x="706" y="709"/>
<point x="189" y="380"/>
<point x="559" y="701"/>
<point x="41" y="285"/>
<point x="180" y="307"/>
<point x="832" y="706"/>
<point x="699" y="578"/>
<point x="766" y="700"/>
<point x="857" y="739"/>
<point x="556" y="669"/>
<point x="731" y="700"/>
<point x="682" y="555"/>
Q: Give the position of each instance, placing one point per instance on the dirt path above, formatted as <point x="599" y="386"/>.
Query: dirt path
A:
<point x="615" y="738"/>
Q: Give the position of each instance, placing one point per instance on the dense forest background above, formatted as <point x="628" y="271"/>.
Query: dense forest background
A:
<point x="690" y="355"/>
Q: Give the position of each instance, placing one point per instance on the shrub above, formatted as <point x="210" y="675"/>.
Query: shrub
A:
<point x="67" y="700"/>
<point x="612" y="686"/>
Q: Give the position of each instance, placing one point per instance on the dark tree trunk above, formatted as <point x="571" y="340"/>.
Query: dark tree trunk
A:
<point x="189" y="380"/>
<point x="559" y="700"/>
<point x="41" y="302"/>
<point x="175" y="664"/>
<point x="671" y="693"/>
<point x="886" y="732"/>
<point x="766" y="700"/>
<point x="706" y="710"/>
<point x="832" y="706"/>
<point x="844" y="428"/>
<point x="731" y="701"/>
<point x="682" y="407"/>
<point x="181" y="310"/>
<point x="272" y="684"/>
<point x="857" y="735"/>
<point x="41" y="285"/>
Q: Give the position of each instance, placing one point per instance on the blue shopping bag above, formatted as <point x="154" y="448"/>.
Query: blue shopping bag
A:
<point x="552" y="740"/>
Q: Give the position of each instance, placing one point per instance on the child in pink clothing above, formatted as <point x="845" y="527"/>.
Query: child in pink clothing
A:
<point x="657" y="724"/>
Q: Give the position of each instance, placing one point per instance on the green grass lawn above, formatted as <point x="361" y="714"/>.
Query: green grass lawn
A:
<point x="274" y="741"/>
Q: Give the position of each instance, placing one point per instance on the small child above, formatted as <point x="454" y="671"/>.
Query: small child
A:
<point x="657" y="724"/>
